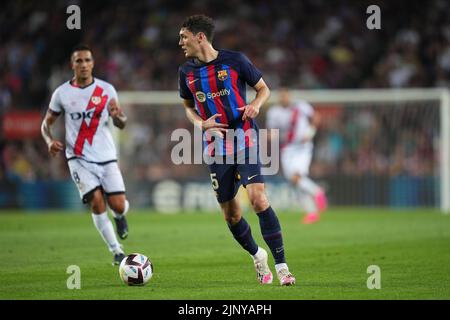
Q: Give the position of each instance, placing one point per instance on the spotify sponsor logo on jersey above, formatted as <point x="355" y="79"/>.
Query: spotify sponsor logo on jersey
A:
<point x="201" y="96"/>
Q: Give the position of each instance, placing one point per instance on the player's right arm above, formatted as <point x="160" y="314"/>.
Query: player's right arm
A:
<point x="54" y="110"/>
<point x="210" y="124"/>
<point x="54" y="146"/>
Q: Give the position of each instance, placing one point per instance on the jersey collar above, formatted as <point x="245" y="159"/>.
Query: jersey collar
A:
<point x="72" y="83"/>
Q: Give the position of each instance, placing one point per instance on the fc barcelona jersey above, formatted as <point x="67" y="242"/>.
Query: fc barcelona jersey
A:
<point x="219" y="87"/>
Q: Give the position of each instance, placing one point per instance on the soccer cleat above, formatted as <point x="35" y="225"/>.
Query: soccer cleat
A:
<point x="311" y="218"/>
<point x="286" y="278"/>
<point x="321" y="201"/>
<point x="118" y="258"/>
<point x="122" y="227"/>
<point x="263" y="273"/>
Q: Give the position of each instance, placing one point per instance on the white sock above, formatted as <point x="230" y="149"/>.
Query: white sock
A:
<point x="280" y="266"/>
<point x="259" y="254"/>
<point x="106" y="230"/>
<point x="306" y="184"/>
<point x="120" y="215"/>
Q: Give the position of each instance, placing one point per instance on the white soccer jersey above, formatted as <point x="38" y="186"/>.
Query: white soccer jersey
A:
<point x="293" y="123"/>
<point x="86" y="120"/>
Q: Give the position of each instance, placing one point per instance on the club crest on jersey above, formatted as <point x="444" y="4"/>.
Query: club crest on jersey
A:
<point x="200" y="96"/>
<point x="96" y="100"/>
<point x="222" y="75"/>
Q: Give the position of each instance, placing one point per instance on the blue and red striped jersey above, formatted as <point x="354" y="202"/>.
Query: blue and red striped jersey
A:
<point x="219" y="87"/>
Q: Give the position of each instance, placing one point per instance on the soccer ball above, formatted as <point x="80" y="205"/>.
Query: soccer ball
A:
<point x="135" y="269"/>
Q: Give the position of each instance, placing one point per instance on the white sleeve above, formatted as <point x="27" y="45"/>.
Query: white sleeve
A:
<point x="113" y="94"/>
<point x="55" y="102"/>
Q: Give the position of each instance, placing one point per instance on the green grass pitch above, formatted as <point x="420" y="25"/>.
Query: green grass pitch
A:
<point x="195" y="256"/>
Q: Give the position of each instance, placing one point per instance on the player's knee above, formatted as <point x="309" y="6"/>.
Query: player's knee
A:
<point x="259" y="202"/>
<point x="118" y="207"/>
<point x="232" y="216"/>
<point x="232" y="219"/>
<point x="231" y="213"/>
<point x="118" y="203"/>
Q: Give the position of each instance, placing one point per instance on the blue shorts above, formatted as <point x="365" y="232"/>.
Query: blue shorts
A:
<point x="226" y="178"/>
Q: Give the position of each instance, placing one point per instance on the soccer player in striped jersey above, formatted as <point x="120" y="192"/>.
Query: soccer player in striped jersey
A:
<point x="297" y="123"/>
<point x="87" y="104"/>
<point x="212" y="84"/>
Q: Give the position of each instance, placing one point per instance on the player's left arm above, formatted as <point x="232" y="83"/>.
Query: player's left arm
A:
<point x="251" y="110"/>
<point x="117" y="114"/>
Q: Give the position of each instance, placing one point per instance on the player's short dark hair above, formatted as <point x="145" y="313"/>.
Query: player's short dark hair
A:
<point x="200" y="23"/>
<point x="81" y="47"/>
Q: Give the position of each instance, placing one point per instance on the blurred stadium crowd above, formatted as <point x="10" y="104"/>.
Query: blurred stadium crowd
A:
<point x="308" y="44"/>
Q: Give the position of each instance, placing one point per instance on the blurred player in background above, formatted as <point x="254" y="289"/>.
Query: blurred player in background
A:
<point x="87" y="104"/>
<point x="212" y="84"/>
<point x="297" y="123"/>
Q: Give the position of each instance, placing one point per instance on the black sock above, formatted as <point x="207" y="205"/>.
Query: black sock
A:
<point x="243" y="234"/>
<point x="271" y="232"/>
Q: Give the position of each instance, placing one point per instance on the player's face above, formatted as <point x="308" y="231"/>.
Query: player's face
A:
<point x="82" y="64"/>
<point x="285" y="97"/>
<point x="189" y="43"/>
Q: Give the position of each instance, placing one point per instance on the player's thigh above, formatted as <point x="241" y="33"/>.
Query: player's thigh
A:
<point x="85" y="180"/>
<point x="112" y="180"/>
<point x="224" y="181"/>
<point x="253" y="181"/>
<point x="96" y="201"/>
<point x="257" y="195"/>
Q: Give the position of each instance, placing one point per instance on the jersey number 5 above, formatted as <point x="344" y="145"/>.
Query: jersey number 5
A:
<point x="215" y="182"/>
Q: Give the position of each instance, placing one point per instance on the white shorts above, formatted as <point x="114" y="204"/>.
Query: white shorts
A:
<point x="296" y="161"/>
<point x="90" y="176"/>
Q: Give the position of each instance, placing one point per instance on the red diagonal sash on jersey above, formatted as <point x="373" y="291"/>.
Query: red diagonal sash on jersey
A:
<point x="292" y="126"/>
<point x="86" y="132"/>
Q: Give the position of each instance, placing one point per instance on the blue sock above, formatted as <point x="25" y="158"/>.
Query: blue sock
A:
<point x="243" y="234"/>
<point x="271" y="232"/>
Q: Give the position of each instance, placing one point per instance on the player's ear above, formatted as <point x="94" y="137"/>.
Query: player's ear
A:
<point x="200" y="36"/>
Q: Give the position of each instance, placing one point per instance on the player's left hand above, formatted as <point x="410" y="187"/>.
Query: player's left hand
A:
<point x="114" y="109"/>
<point x="250" y="111"/>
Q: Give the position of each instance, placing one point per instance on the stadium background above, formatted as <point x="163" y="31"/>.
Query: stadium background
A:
<point x="362" y="156"/>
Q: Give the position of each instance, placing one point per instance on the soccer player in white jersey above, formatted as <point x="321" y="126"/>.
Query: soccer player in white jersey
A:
<point x="297" y="123"/>
<point x="87" y="104"/>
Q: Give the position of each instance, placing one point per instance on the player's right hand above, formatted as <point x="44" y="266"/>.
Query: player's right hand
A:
<point x="54" y="147"/>
<point x="216" y="128"/>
